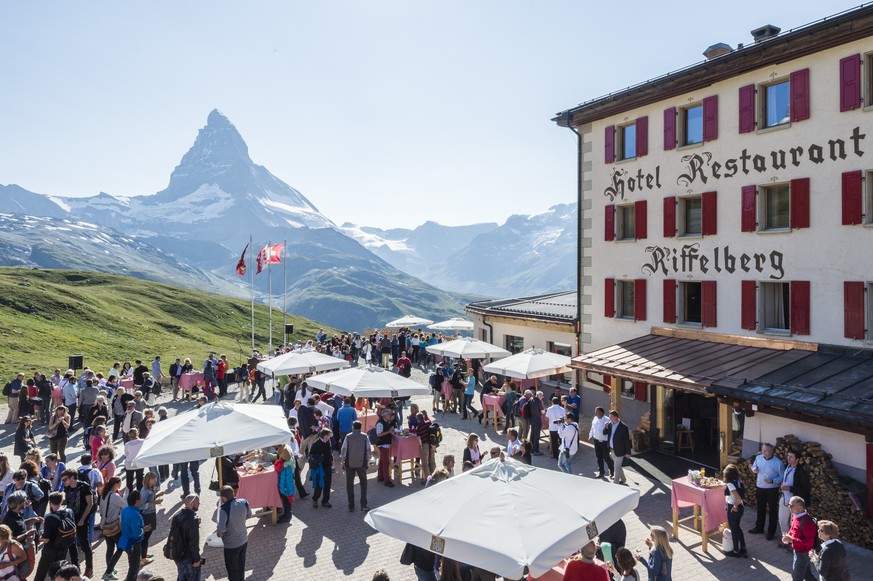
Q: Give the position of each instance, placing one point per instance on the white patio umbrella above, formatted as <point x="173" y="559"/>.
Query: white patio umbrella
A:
<point x="530" y="364"/>
<point x="408" y="321"/>
<point x="538" y="530"/>
<point x="301" y="361"/>
<point x="216" y="429"/>
<point x="468" y="348"/>
<point x="367" y="381"/>
<point x="453" y="324"/>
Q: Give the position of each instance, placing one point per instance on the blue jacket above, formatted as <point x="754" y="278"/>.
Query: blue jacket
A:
<point x="346" y="416"/>
<point x="131" y="528"/>
<point x="657" y="561"/>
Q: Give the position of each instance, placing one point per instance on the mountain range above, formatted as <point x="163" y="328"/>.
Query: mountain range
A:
<point x="191" y="234"/>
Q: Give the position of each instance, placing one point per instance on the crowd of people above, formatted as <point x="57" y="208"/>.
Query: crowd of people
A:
<point x="49" y="504"/>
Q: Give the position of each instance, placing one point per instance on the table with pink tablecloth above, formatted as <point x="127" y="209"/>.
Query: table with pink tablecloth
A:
<point x="708" y="501"/>
<point x="404" y="449"/>
<point x="261" y="489"/>
<point x="556" y="573"/>
<point x="127" y="384"/>
<point x="368" y="421"/>
<point x="493" y="404"/>
<point x="190" y="379"/>
<point x="447" y="391"/>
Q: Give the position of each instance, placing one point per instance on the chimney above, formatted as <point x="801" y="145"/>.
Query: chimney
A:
<point x="765" y="32"/>
<point x="716" y="50"/>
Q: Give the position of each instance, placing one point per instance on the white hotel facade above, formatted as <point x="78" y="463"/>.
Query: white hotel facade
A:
<point x="726" y="246"/>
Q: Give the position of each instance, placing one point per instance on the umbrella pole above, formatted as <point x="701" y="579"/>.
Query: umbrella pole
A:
<point x="220" y="483"/>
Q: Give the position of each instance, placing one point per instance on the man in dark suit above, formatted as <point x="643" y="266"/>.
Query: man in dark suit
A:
<point x="795" y="482"/>
<point x="618" y="436"/>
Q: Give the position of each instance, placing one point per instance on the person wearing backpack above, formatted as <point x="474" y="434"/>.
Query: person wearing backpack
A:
<point x="58" y="534"/>
<point x="14" y="561"/>
<point x="82" y="500"/>
<point x="184" y="540"/>
<point x="802" y="537"/>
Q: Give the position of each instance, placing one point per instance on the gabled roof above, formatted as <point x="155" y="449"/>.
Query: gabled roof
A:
<point x="554" y="307"/>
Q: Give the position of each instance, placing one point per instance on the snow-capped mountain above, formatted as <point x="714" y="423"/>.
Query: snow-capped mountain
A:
<point x="526" y="255"/>
<point x="216" y="198"/>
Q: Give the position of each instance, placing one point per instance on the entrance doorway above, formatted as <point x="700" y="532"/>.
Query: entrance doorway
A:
<point x="686" y="425"/>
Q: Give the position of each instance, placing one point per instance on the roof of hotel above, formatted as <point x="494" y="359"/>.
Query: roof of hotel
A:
<point x="553" y="307"/>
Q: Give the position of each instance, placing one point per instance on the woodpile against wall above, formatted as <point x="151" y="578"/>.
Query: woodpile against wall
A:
<point x="835" y="498"/>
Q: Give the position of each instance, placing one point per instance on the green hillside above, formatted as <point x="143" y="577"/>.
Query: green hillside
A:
<point x="47" y="315"/>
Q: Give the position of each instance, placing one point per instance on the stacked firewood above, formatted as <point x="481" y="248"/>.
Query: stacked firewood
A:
<point x="640" y="436"/>
<point x="835" y="498"/>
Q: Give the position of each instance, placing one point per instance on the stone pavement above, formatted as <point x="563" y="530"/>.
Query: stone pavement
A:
<point x="326" y="544"/>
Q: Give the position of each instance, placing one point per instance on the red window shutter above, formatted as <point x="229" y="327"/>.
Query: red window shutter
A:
<point x="749" y="207"/>
<point x="800" y="203"/>
<point x="609" y="223"/>
<point x="609" y="298"/>
<point x="640" y="299"/>
<point x="749" y="305"/>
<point x="747" y="109"/>
<point x="852" y="198"/>
<point x="607" y="383"/>
<point x="709" y="312"/>
<point x="609" y="144"/>
<point x="710" y="118"/>
<point x="669" y="216"/>
<point x="850" y="82"/>
<point x="670" y="128"/>
<point x="669" y="301"/>
<point x="642" y="136"/>
<point x="800" y="307"/>
<point x="641" y="220"/>
<point x="710" y="212"/>
<point x="641" y="391"/>
<point x="799" y="95"/>
<point x="853" y="309"/>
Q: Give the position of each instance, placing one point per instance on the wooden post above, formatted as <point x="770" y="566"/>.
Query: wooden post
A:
<point x="615" y="394"/>
<point x="725" y="433"/>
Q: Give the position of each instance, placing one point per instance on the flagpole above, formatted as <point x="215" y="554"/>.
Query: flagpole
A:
<point x="284" y="293"/>
<point x="251" y="266"/>
<point x="270" y="291"/>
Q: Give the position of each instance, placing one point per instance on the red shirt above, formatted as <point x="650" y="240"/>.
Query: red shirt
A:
<point x="220" y="369"/>
<point x="578" y="570"/>
<point x="802" y="532"/>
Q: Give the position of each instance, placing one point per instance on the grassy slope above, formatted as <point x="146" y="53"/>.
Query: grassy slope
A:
<point x="46" y="315"/>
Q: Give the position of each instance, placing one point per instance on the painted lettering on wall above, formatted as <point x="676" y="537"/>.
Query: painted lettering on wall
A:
<point x="689" y="259"/>
<point x="703" y="167"/>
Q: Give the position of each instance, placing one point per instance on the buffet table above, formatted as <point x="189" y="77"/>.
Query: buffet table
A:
<point x="708" y="504"/>
<point x="189" y="380"/>
<point x="261" y="490"/>
<point x="404" y="449"/>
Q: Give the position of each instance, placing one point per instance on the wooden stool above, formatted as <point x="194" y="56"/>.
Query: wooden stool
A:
<point x="685" y="439"/>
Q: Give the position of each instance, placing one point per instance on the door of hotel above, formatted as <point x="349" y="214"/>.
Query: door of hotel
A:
<point x="686" y="425"/>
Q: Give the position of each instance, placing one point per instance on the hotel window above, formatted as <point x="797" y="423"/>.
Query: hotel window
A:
<point x="851" y="68"/>
<point x="691" y="216"/>
<point x="627" y="388"/>
<point x="776" y="202"/>
<point x="483" y="334"/>
<point x="625" y="299"/>
<point x="775" y="306"/>
<point x="692" y="125"/>
<point x="774" y="104"/>
<point x="626" y="141"/>
<point x="626" y="223"/>
<point x="514" y="344"/>
<point x="692" y="302"/>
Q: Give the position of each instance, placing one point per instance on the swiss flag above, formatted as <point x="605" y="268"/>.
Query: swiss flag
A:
<point x="269" y="255"/>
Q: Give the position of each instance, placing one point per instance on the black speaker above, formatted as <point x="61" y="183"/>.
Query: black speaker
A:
<point x="76" y="362"/>
<point x="289" y="329"/>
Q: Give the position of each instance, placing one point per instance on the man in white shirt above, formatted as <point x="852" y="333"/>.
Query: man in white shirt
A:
<point x="513" y="445"/>
<point x="569" y="432"/>
<point x="555" y="415"/>
<point x="601" y="445"/>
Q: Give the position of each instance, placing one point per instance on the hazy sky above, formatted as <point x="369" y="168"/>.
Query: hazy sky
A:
<point x="383" y="113"/>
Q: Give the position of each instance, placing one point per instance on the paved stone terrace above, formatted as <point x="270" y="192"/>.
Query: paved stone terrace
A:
<point x="333" y="543"/>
